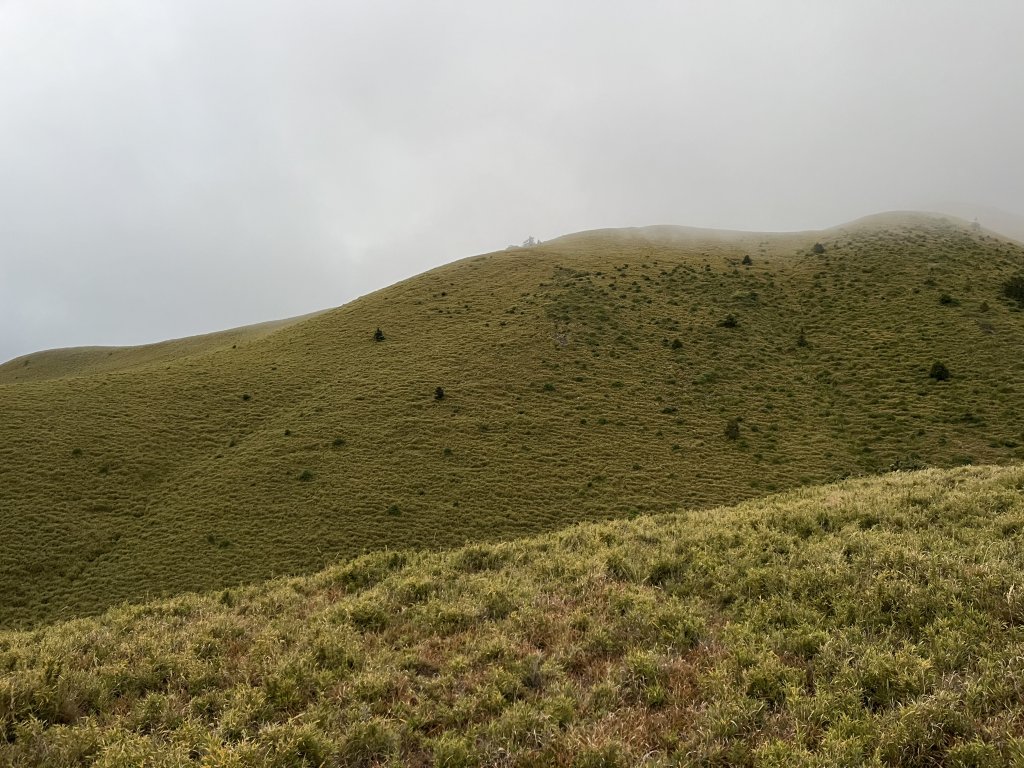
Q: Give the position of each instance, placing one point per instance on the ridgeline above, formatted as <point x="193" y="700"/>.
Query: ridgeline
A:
<point x="601" y="375"/>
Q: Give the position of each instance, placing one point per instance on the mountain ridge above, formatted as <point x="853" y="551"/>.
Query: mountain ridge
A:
<point x="587" y="378"/>
<point x="889" y="218"/>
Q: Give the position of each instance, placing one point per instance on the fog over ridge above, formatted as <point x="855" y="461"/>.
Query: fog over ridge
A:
<point x="177" y="168"/>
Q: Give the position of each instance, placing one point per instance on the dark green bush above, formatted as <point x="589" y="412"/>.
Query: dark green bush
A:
<point x="732" y="430"/>
<point x="1013" y="289"/>
<point x="939" y="371"/>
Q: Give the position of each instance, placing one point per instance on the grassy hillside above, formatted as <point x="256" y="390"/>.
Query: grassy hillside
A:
<point x="595" y="376"/>
<point x="83" y="361"/>
<point x="873" y="622"/>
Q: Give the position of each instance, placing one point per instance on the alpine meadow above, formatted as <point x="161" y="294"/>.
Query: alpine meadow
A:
<point x="651" y="496"/>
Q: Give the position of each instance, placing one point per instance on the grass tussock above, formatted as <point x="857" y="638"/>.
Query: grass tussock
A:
<point x="872" y="622"/>
<point x="583" y="379"/>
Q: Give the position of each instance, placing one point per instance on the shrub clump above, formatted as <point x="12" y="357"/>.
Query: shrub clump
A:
<point x="730" y="321"/>
<point x="378" y="335"/>
<point x="1013" y="289"/>
<point x="439" y="393"/>
<point x="818" y="248"/>
<point x="732" y="430"/>
<point x="939" y="371"/>
<point x="747" y="261"/>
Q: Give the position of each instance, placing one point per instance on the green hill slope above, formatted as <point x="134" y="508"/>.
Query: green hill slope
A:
<point x="591" y="377"/>
<point x="874" y="622"/>
<point x="84" y="361"/>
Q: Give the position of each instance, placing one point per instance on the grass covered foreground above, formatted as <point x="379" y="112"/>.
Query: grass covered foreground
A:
<point x="600" y="375"/>
<point x="871" y="622"/>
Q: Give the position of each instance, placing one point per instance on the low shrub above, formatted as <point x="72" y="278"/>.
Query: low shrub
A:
<point x="939" y="371"/>
<point x="1013" y="289"/>
<point x="732" y="430"/>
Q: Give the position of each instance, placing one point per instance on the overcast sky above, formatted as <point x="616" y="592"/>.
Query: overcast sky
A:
<point x="171" y="167"/>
